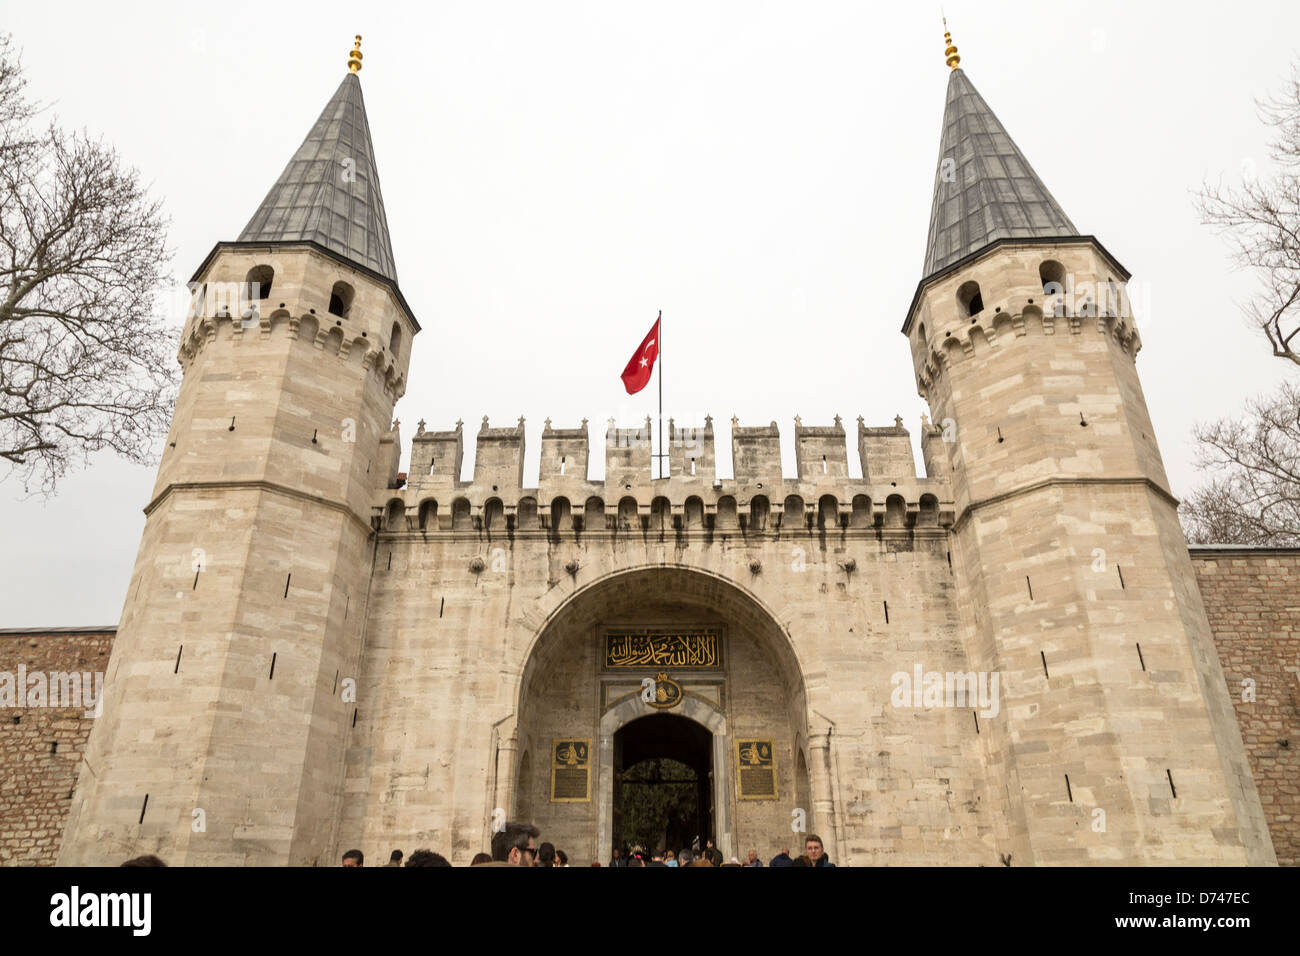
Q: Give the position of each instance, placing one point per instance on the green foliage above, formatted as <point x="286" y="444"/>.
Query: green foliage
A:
<point x="658" y="814"/>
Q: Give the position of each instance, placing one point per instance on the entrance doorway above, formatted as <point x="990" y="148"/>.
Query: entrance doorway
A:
<point x="663" y="784"/>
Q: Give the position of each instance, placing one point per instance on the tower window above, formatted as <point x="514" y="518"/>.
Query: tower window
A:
<point x="1052" y="274"/>
<point x="341" y="299"/>
<point x="395" y="340"/>
<point x="969" y="298"/>
<point x="259" y="282"/>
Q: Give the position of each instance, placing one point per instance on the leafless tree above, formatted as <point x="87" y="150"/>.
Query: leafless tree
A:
<point x="84" y="358"/>
<point x="1253" y="496"/>
<point x="1261" y="219"/>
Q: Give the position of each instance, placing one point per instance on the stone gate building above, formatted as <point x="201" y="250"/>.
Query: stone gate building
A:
<point x="1006" y="660"/>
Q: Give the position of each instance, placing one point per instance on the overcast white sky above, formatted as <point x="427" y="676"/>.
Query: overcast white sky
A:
<point x="556" y="172"/>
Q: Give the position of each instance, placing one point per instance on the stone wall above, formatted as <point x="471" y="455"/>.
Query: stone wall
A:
<point x="1252" y="598"/>
<point x="41" y="746"/>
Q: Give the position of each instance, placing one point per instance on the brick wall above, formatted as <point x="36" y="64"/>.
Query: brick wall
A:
<point x="40" y="747"/>
<point x="1252" y="598"/>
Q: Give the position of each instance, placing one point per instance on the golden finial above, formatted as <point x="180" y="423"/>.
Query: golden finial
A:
<point x="354" y="58"/>
<point x="950" y="54"/>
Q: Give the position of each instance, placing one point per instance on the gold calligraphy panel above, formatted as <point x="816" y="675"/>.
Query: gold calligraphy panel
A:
<point x="571" y="771"/>
<point x="756" y="770"/>
<point x="685" y="649"/>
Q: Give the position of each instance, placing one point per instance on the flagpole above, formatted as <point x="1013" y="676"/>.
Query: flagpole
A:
<point x="660" y="322"/>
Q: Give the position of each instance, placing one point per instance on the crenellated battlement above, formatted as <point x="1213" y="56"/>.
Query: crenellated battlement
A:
<point x="757" y="500"/>
<point x="1055" y="289"/>
<point x="259" y="328"/>
<point x="259" y="295"/>
<point x="998" y="330"/>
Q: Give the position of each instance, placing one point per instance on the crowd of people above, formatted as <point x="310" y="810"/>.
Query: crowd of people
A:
<point x="516" y="845"/>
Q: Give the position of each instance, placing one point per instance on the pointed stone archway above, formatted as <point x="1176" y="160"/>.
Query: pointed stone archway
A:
<point x="568" y="699"/>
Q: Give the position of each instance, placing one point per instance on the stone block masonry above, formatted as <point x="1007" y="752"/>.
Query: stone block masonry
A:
<point x="41" y="747"/>
<point x="1252" y="598"/>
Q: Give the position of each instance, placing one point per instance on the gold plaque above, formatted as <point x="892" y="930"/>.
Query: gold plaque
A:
<point x="571" y="771"/>
<point x="755" y="770"/>
<point x="681" y="648"/>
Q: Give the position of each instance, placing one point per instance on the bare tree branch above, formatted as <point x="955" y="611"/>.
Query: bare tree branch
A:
<point x="1253" y="495"/>
<point x="1261" y="220"/>
<point x="84" y="361"/>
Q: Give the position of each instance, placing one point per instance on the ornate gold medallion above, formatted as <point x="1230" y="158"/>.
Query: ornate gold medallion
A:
<point x="667" y="693"/>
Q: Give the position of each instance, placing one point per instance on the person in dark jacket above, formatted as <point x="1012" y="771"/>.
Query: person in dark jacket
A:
<point x="712" y="853"/>
<point x="782" y="859"/>
<point x="812" y="846"/>
<point x="618" y="858"/>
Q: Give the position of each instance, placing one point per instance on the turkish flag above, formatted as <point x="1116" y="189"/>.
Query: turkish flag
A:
<point x="642" y="363"/>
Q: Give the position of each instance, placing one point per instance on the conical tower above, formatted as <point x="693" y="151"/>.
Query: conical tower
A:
<point x="227" y="704"/>
<point x="1117" y="741"/>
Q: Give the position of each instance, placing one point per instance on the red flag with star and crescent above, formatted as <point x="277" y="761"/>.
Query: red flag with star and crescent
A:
<point x="642" y="364"/>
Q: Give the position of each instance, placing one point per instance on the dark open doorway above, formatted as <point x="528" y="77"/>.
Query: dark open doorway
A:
<point x="663" y="783"/>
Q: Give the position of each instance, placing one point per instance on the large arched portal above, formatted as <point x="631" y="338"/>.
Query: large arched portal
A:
<point x="671" y="665"/>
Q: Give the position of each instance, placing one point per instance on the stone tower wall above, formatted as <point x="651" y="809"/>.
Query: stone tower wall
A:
<point x="1075" y="576"/>
<point x="223" y="730"/>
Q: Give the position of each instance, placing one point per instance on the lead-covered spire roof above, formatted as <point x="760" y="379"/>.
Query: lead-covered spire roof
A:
<point x="984" y="188"/>
<point x="329" y="192"/>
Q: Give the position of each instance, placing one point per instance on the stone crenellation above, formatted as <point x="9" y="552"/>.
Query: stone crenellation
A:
<point x="1016" y="302"/>
<point x="757" y="500"/>
<point x="227" y="305"/>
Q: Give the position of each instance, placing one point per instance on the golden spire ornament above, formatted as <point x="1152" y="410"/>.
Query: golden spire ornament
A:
<point x="354" y="58"/>
<point x="950" y="54"/>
